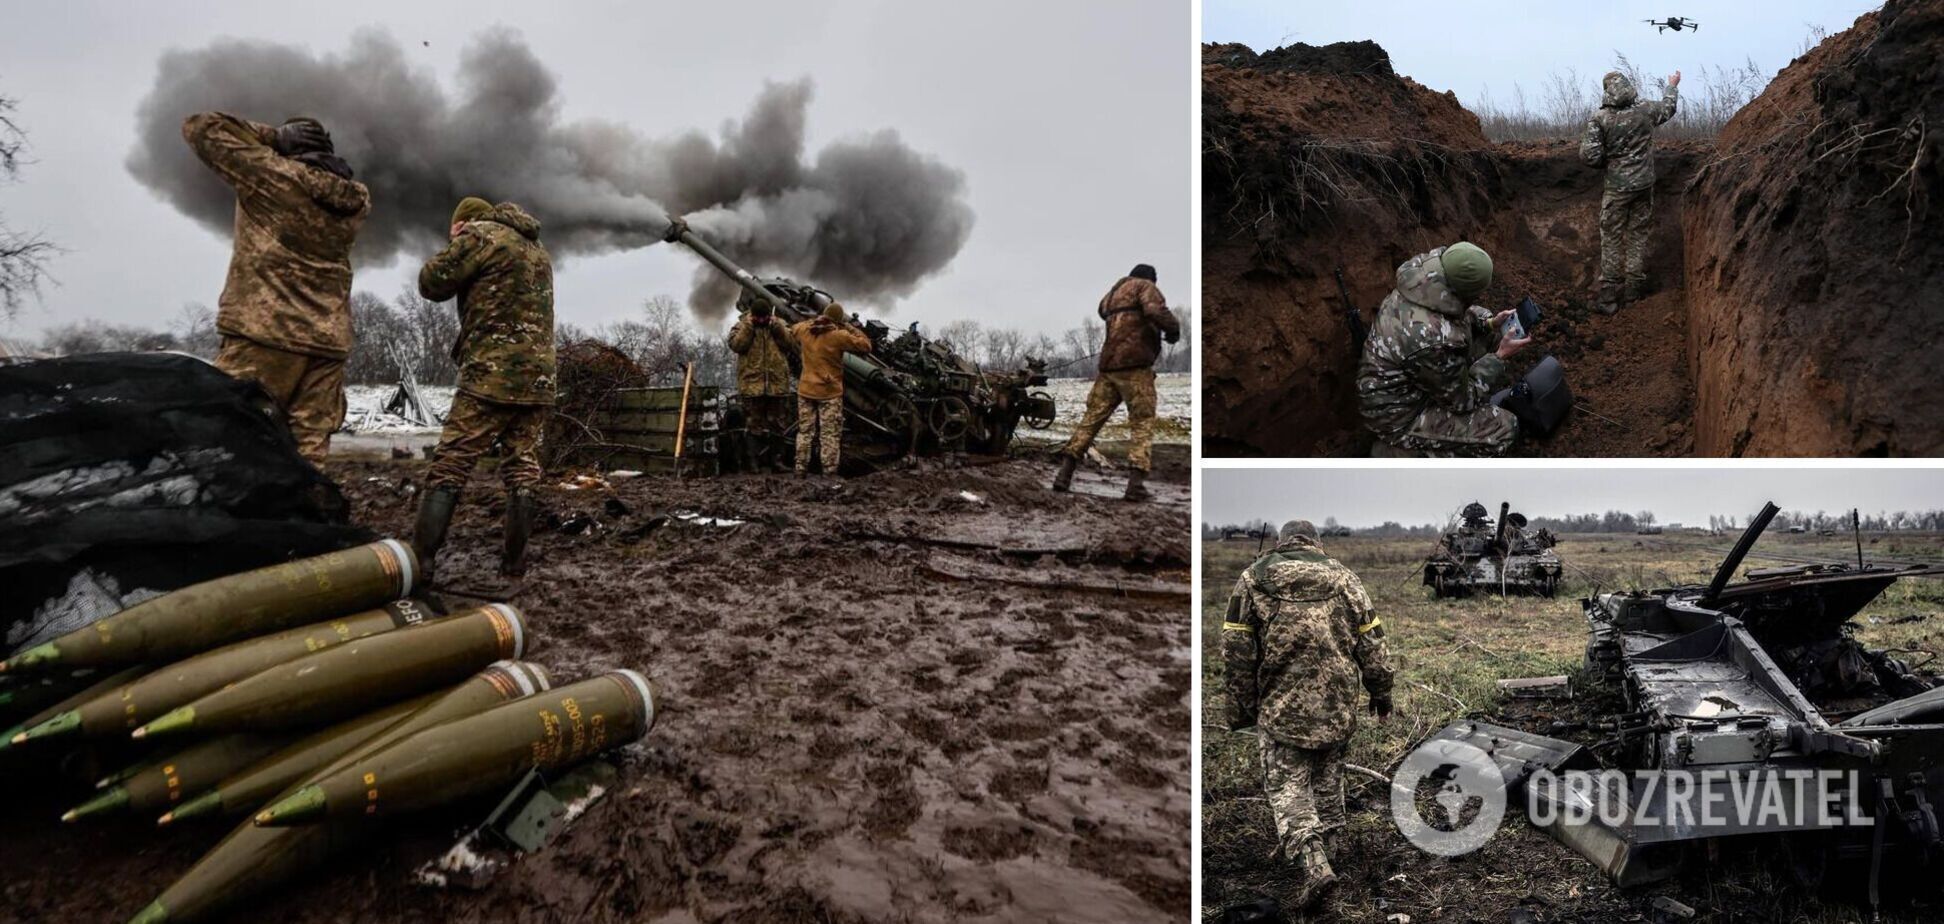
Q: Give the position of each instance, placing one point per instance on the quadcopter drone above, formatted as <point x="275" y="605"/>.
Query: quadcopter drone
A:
<point x="1677" y="23"/>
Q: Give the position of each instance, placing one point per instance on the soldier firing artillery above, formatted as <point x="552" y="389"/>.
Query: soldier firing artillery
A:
<point x="503" y="278"/>
<point x="285" y="311"/>
<point x="1138" y="320"/>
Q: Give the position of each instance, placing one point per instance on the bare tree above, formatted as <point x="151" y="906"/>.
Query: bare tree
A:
<point x="194" y="330"/>
<point x="23" y="254"/>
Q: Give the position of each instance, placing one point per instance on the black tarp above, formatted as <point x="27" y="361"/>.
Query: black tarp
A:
<point x="123" y="475"/>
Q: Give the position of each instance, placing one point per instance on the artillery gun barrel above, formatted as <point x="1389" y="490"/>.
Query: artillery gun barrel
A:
<point x="1505" y="513"/>
<point x="1739" y="552"/>
<point x="678" y="233"/>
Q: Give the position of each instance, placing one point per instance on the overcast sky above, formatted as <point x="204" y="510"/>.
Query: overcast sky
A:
<point x="1070" y="121"/>
<point x="1470" y="47"/>
<point x="1368" y="497"/>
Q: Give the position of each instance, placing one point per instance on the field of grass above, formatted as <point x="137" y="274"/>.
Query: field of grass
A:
<point x="1448" y="655"/>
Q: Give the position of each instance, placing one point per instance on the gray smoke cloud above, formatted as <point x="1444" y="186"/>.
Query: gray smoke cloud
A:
<point x="866" y="218"/>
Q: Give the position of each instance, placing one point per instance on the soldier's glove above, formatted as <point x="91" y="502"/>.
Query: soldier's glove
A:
<point x="1173" y="336"/>
<point x="300" y="137"/>
<point x="1380" y="706"/>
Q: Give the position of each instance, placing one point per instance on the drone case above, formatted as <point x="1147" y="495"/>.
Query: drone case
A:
<point x="1541" y="399"/>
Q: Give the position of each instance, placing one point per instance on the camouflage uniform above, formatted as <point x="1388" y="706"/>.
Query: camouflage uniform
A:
<point x="285" y="311"/>
<point x="1620" y="137"/>
<point x="1136" y="316"/>
<point x="503" y="278"/>
<point x="763" y="380"/>
<point x="1298" y="638"/>
<point x="822" y="343"/>
<point x="1429" y="369"/>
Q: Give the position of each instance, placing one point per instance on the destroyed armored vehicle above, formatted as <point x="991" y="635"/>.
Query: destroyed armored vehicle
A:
<point x="1501" y="558"/>
<point x="910" y="395"/>
<point x="1763" y="677"/>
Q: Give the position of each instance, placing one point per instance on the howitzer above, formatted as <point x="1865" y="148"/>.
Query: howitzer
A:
<point x="910" y="395"/>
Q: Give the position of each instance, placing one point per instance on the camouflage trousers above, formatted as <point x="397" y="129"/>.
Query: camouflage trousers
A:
<point x="1487" y="431"/>
<point x="1305" y="791"/>
<point x="473" y="426"/>
<point x="820" y="425"/>
<point x="308" y="389"/>
<point x="765" y="418"/>
<point x="1626" y="223"/>
<point x="1110" y="389"/>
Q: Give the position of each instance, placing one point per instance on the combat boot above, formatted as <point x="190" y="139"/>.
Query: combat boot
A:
<point x="1318" y="877"/>
<point x="1636" y="290"/>
<point x="1609" y="301"/>
<point x="1064" y="480"/>
<point x="1137" y="486"/>
<point x="521" y="506"/>
<point x="429" y="533"/>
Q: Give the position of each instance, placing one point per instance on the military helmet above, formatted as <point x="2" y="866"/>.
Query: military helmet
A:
<point x="1474" y="511"/>
<point x="1294" y="528"/>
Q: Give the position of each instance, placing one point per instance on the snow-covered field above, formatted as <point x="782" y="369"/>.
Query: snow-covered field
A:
<point x="1175" y="393"/>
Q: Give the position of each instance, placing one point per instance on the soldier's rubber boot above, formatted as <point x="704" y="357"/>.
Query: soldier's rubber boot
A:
<point x="429" y="532"/>
<point x="1137" y="486"/>
<point x="1318" y="877"/>
<point x="1636" y="289"/>
<point x="1609" y="300"/>
<point x="521" y="508"/>
<point x="1064" y="480"/>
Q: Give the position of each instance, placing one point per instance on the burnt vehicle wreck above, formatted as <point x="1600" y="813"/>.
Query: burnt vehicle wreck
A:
<point x="1502" y="557"/>
<point x="1763" y="680"/>
<point x="910" y="395"/>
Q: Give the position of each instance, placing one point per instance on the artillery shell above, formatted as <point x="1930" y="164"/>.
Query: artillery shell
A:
<point x="355" y="676"/>
<point x="15" y="735"/>
<point x="478" y="755"/>
<point x="252" y="859"/>
<point x="165" y="782"/>
<point x="202" y="616"/>
<point x="136" y="703"/>
<point x="247" y="786"/>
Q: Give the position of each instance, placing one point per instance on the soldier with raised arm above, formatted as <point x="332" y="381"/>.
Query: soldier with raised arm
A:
<point x="285" y="311"/>
<point x="1620" y="138"/>
<point x="1138" y="320"/>
<point x="503" y="279"/>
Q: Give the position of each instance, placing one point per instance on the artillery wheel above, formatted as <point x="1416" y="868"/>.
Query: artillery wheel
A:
<point x="1034" y="421"/>
<point x="897" y="414"/>
<point x="950" y="417"/>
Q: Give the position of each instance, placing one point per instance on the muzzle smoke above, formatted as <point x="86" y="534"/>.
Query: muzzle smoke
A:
<point x="867" y="218"/>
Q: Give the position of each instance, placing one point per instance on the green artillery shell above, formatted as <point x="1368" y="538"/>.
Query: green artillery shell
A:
<point x="478" y="755"/>
<point x="33" y="694"/>
<point x="13" y="736"/>
<point x="248" y="787"/>
<point x="181" y="683"/>
<point x="202" y="616"/>
<point x="355" y="676"/>
<point x="168" y="780"/>
<point x="252" y="859"/>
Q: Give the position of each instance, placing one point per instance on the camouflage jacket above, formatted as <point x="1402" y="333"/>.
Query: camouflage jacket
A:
<point x="1298" y="638"/>
<point x="289" y="284"/>
<point x="504" y="281"/>
<point x="1426" y="349"/>
<point x="1620" y="137"/>
<point x="823" y="343"/>
<point x="1136" y="317"/>
<point x="762" y="357"/>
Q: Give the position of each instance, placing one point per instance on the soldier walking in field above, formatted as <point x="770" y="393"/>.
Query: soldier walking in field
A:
<point x="1299" y="637"/>
<point x="763" y="349"/>
<point x="1433" y="360"/>
<point x="503" y="279"/>
<point x="822" y="341"/>
<point x="1138" y="320"/>
<point x="285" y="311"/>
<point x="1620" y="137"/>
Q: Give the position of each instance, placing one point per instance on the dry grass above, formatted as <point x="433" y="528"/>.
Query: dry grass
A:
<point x="1709" y="98"/>
<point x="1451" y="652"/>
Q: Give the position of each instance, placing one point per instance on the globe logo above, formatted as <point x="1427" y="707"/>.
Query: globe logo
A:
<point x="1465" y="810"/>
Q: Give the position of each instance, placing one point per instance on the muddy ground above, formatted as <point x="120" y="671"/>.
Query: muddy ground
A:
<point x="875" y="709"/>
<point x="1448" y="655"/>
